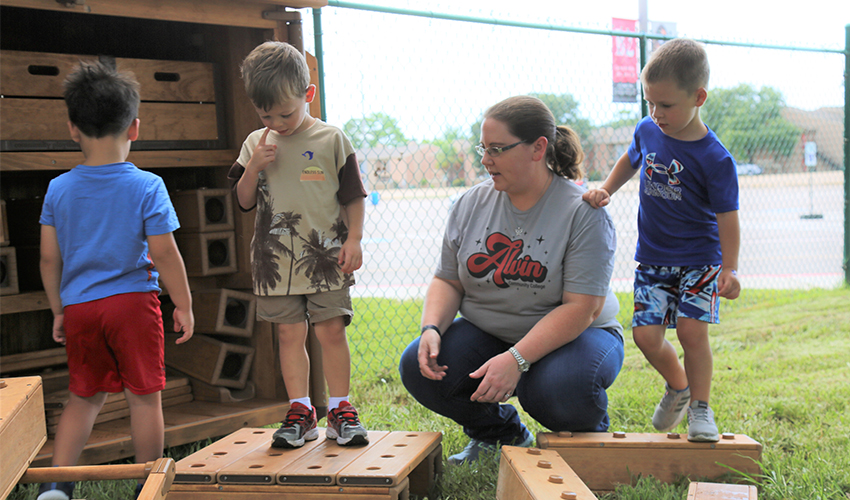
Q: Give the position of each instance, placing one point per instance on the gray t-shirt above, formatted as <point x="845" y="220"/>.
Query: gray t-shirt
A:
<point x="514" y="266"/>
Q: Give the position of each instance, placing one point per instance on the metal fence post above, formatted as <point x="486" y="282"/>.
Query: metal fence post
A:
<point x="847" y="155"/>
<point x="320" y="60"/>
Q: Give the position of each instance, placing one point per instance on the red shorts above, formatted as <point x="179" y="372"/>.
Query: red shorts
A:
<point x="116" y="343"/>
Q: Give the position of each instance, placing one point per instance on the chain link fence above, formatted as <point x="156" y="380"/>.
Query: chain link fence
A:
<point x="410" y="90"/>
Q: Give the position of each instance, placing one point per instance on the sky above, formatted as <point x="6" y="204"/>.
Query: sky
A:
<point x="404" y="64"/>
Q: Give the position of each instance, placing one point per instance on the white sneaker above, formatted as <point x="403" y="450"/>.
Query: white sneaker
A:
<point x="672" y="408"/>
<point x="701" y="426"/>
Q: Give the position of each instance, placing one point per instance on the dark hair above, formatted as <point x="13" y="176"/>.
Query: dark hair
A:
<point x="275" y="72"/>
<point x="528" y="118"/>
<point x="101" y="100"/>
<point x="682" y="60"/>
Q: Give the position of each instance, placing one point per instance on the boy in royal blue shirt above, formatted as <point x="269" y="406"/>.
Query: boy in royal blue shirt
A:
<point x="688" y="231"/>
<point x="106" y="239"/>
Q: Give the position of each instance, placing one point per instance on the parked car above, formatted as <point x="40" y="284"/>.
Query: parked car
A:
<point x="749" y="169"/>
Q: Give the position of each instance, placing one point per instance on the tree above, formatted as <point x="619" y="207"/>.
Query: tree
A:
<point x="749" y="122"/>
<point x="375" y="129"/>
<point x="565" y="108"/>
<point x="450" y="157"/>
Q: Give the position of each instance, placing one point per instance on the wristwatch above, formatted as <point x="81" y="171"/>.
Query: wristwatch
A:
<point x="523" y="365"/>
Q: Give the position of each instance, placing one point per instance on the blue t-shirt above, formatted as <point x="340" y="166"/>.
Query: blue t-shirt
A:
<point x="103" y="216"/>
<point x="683" y="185"/>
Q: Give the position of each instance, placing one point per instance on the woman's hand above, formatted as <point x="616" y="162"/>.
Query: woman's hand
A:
<point x="499" y="378"/>
<point x="429" y="348"/>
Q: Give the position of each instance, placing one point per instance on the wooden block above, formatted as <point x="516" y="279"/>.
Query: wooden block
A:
<point x="279" y="492"/>
<point x="210" y="360"/>
<point x="22" y="428"/>
<point x="203" y="210"/>
<point x="602" y="460"/>
<point x="40" y="74"/>
<point x="202" y="466"/>
<point x="535" y="474"/>
<point x="4" y="225"/>
<point x="159" y="480"/>
<point x="203" y="391"/>
<point x="8" y="271"/>
<point x="35" y="359"/>
<point x="389" y="460"/>
<point x="207" y="254"/>
<point x="224" y="311"/>
<point x="718" y="491"/>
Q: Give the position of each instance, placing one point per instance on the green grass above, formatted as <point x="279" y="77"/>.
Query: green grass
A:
<point x="781" y="371"/>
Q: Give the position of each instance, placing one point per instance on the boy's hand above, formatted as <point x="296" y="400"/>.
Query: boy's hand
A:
<point x="350" y="256"/>
<point x="728" y="285"/>
<point x="263" y="154"/>
<point x="59" y="328"/>
<point x="185" y="321"/>
<point x="597" y="198"/>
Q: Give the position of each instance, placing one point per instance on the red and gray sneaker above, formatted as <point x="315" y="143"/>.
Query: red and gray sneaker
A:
<point x="298" y="427"/>
<point x="344" y="426"/>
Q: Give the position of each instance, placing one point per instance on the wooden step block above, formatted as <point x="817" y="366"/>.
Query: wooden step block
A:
<point x="8" y="271"/>
<point x="208" y="254"/>
<point x="22" y="427"/>
<point x="203" y="391"/>
<point x="210" y="360"/>
<point x="535" y="474"/>
<point x="203" y="210"/>
<point x="34" y="359"/>
<point x="718" y="491"/>
<point x="603" y="459"/>
<point x="245" y="466"/>
<point x="224" y="311"/>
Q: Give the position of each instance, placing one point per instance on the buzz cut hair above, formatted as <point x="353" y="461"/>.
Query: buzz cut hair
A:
<point x="101" y="100"/>
<point x="275" y="72"/>
<point x="681" y="60"/>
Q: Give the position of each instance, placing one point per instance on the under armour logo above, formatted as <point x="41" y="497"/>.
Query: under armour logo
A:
<point x="307" y="154"/>
<point x="659" y="168"/>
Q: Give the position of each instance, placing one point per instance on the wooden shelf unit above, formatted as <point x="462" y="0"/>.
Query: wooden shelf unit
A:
<point x="220" y="32"/>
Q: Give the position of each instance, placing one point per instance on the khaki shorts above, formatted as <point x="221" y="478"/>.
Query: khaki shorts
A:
<point x="315" y="307"/>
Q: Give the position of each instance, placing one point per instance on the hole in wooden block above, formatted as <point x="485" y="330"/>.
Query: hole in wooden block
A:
<point x="236" y="313"/>
<point x="42" y="70"/>
<point x="240" y="442"/>
<point x="232" y="367"/>
<point x="214" y="210"/>
<point x="217" y="253"/>
<point x="315" y="467"/>
<point x="399" y="445"/>
<point x="275" y="454"/>
<point x="255" y="466"/>
<point x="387" y="456"/>
<point x="162" y="76"/>
<point x="198" y="465"/>
<point x="373" y="468"/>
<point x="220" y="453"/>
<point x="332" y="455"/>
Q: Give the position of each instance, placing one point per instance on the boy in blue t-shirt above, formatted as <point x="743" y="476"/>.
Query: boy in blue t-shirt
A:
<point x="106" y="239"/>
<point x="688" y="231"/>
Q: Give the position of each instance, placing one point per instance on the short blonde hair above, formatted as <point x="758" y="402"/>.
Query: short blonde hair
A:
<point x="682" y="60"/>
<point x="275" y="72"/>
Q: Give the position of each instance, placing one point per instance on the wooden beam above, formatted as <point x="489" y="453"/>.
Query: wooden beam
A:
<point x="220" y="12"/>
<point x="295" y="4"/>
<point x="66" y="160"/>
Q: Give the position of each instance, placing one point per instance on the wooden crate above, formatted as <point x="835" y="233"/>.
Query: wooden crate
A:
<point x="178" y="108"/>
<point x="535" y="474"/>
<point x="203" y="210"/>
<point x="223" y="311"/>
<point x="719" y="491"/>
<point x="244" y="465"/>
<point x="207" y="254"/>
<point x="8" y="271"/>
<point x="602" y="459"/>
<point x="22" y="428"/>
<point x="210" y="360"/>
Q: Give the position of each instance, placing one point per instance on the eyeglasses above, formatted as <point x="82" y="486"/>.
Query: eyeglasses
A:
<point x="495" y="151"/>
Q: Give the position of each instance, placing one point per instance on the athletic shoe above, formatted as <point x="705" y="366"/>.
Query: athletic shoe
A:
<point x="298" y="427"/>
<point x="672" y="409"/>
<point x="701" y="426"/>
<point x="475" y="447"/>
<point x="55" y="491"/>
<point x="344" y="426"/>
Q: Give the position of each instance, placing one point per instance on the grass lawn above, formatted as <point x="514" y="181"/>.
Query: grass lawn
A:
<point x="781" y="376"/>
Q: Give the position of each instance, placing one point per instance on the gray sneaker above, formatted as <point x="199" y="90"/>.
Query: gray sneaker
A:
<point x="475" y="447"/>
<point x="701" y="426"/>
<point x="672" y="408"/>
<point x="344" y="426"/>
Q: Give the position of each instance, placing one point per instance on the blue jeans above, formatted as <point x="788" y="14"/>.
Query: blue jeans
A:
<point x="563" y="391"/>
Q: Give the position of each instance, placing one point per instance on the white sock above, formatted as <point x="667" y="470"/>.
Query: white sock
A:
<point x="304" y="401"/>
<point x="333" y="402"/>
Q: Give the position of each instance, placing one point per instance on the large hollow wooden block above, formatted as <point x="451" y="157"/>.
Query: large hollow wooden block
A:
<point x="719" y="491"/>
<point x="207" y="254"/>
<point x="604" y="459"/>
<point x="22" y="428"/>
<point x="8" y="271"/>
<point x="203" y="210"/>
<point x="535" y="474"/>
<point x="224" y="311"/>
<point x="203" y="391"/>
<point x="210" y="360"/>
<point x="245" y="466"/>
